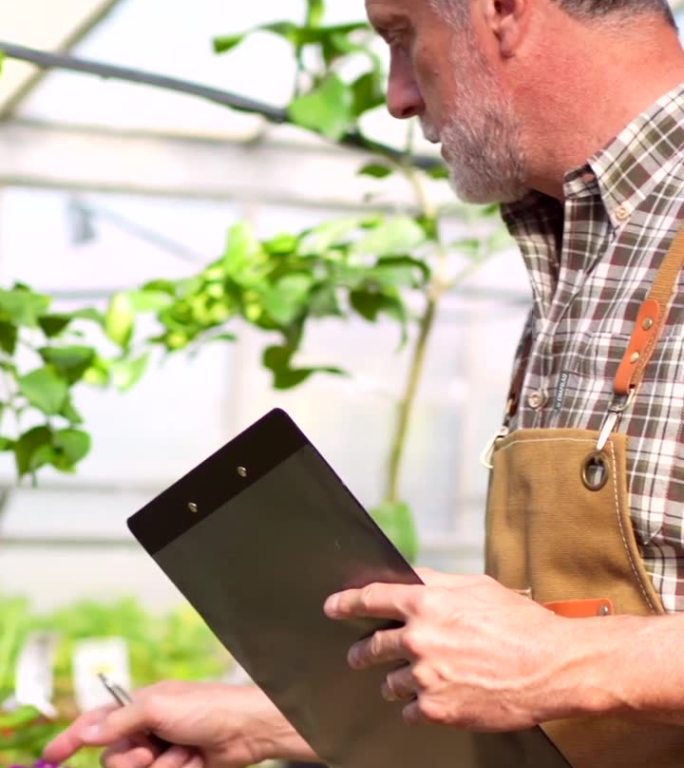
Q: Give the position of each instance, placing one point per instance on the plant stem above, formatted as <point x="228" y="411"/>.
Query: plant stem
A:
<point x="407" y="402"/>
<point x="436" y="289"/>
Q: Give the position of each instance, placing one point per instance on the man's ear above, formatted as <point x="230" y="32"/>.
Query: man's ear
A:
<point x="508" y="21"/>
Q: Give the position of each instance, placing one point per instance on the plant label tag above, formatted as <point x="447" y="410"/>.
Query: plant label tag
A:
<point x="34" y="680"/>
<point x="108" y="656"/>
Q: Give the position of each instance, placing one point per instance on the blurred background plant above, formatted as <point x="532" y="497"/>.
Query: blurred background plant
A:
<point x="379" y="266"/>
<point x="175" y="646"/>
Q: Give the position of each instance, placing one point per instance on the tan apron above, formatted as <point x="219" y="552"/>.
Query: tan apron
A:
<point x="558" y="527"/>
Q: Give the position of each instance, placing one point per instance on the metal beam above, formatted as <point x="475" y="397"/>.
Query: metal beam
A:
<point x="352" y="138"/>
<point x="312" y="175"/>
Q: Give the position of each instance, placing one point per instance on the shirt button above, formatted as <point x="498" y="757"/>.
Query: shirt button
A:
<point x="622" y="213"/>
<point x="536" y="400"/>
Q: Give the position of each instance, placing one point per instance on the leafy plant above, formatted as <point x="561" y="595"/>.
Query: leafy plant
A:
<point x="392" y="266"/>
<point x="177" y="646"/>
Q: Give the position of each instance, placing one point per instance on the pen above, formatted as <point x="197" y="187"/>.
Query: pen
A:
<point x="122" y="698"/>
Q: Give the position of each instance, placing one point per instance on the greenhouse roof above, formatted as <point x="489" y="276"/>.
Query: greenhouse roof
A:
<point x="43" y="25"/>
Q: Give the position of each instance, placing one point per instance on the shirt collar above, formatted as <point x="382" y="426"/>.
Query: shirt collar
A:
<point x="642" y="155"/>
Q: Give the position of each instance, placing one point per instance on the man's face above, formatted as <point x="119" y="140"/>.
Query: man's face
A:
<point x="439" y="73"/>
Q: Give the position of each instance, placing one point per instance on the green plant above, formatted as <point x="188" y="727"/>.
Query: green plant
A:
<point x="175" y="646"/>
<point x="390" y="265"/>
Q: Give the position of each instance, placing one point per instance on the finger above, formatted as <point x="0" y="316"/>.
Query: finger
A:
<point x="400" y="685"/>
<point x="382" y="601"/>
<point x="196" y="761"/>
<point x="379" y="648"/>
<point x="63" y="746"/>
<point x="127" y="754"/>
<point x="174" y="757"/>
<point x="413" y="715"/>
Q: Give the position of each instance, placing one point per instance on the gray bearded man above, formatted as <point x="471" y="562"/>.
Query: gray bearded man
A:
<point x="571" y="113"/>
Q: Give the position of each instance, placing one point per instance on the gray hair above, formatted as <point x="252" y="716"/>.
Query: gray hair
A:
<point x="585" y="9"/>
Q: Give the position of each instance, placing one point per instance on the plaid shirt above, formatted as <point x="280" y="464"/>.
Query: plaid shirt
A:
<point x="592" y="260"/>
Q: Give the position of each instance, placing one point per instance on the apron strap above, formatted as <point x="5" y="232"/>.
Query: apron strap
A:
<point x="650" y="320"/>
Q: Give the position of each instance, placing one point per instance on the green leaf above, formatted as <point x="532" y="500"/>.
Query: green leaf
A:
<point x="288" y="378"/>
<point x="120" y="319"/>
<point x="226" y="43"/>
<point x="6" y="444"/>
<point x="367" y="93"/>
<point x="241" y="253"/>
<point x="281" y="245"/>
<point x="470" y="246"/>
<point x="430" y="226"/>
<point x="45" y="390"/>
<point x="33" y="450"/>
<point x="287" y="299"/>
<point x="161" y="286"/>
<point x="333" y="233"/>
<point x="71" y="413"/>
<point x="226" y="336"/>
<point x="9" y="333"/>
<point x="376" y="170"/>
<point x="328" y="109"/>
<point x="277" y="360"/>
<point x="149" y="300"/>
<point x="71" y="362"/>
<point x="493" y="209"/>
<point x="400" y="271"/>
<point x="277" y="357"/>
<point x="53" y="325"/>
<point x="70" y="446"/>
<point x="315" y="12"/>
<point x="287" y="30"/>
<point x="397" y="522"/>
<point x="439" y="172"/>
<point x="89" y="313"/>
<point x="369" y="304"/>
<point x="128" y="372"/>
<point x="99" y="374"/>
<point x="397" y="235"/>
<point x="324" y="302"/>
<point x="22" y="306"/>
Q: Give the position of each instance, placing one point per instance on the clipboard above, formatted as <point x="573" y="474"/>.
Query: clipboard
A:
<point x="256" y="537"/>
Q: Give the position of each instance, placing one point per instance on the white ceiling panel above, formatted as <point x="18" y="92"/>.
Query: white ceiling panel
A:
<point x="46" y="25"/>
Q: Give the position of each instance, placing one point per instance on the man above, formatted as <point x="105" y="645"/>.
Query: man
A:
<point x="572" y="113"/>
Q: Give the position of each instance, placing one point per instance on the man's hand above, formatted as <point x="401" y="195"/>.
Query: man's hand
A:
<point x="209" y="726"/>
<point x="474" y="654"/>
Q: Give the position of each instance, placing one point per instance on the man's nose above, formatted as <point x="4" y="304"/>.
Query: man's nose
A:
<point x="404" y="99"/>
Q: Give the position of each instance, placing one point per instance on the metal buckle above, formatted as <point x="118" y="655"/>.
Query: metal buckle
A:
<point x="487" y="454"/>
<point x="615" y="410"/>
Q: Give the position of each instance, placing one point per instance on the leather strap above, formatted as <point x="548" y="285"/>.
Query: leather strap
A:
<point x="582" y="609"/>
<point x="650" y="320"/>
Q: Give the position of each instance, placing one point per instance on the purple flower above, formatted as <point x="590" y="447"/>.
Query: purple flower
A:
<point x="37" y="764"/>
